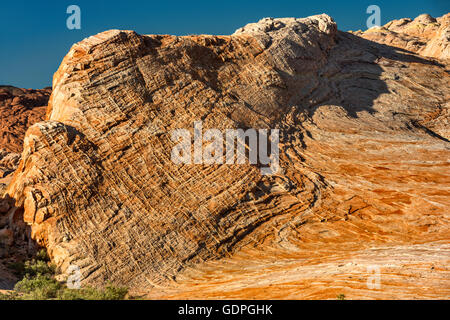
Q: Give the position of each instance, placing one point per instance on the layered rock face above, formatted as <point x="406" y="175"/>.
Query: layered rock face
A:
<point x="363" y="155"/>
<point x="19" y="109"/>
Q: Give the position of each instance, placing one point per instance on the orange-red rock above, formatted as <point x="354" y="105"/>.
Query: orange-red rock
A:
<point x="424" y="35"/>
<point x="19" y="109"/>
<point x="364" y="155"/>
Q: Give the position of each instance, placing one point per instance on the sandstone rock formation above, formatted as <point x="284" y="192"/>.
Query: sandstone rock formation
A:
<point x="19" y="109"/>
<point x="363" y="153"/>
<point x="424" y="35"/>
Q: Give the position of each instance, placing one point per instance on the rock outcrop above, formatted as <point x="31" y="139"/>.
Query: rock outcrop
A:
<point x="424" y="35"/>
<point x="19" y="109"/>
<point x="363" y="154"/>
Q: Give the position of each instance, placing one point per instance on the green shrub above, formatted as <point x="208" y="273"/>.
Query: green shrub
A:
<point x="39" y="283"/>
<point x="8" y="296"/>
<point x="37" y="267"/>
<point x="18" y="268"/>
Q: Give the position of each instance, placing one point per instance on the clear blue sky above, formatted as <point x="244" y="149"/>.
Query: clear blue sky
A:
<point x="34" y="37"/>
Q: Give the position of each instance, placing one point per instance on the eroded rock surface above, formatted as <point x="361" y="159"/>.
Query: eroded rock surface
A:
<point x="363" y="153"/>
<point x="19" y="109"/>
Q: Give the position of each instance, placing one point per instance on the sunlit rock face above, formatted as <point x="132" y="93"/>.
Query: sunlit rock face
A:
<point x="363" y="161"/>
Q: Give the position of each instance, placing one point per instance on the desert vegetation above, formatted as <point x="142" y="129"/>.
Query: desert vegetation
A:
<point x="39" y="283"/>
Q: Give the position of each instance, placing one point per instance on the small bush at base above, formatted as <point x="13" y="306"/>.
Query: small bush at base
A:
<point x="39" y="287"/>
